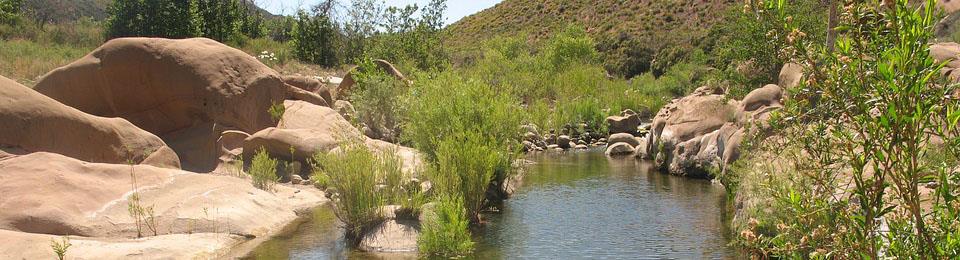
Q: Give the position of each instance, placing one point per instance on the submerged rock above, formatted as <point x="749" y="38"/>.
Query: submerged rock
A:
<point x="619" y="149"/>
<point x="623" y="138"/>
<point x="392" y="236"/>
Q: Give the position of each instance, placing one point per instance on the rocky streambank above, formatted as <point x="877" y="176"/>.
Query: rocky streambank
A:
<point x="690" y="136"/>
<point x="162" y="125"/>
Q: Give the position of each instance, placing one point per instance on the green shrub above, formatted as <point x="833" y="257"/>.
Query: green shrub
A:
<point x="378" y="98"/>
<point x="445" y="233"/>
<point x="353" y="174"/>
<point x="364" y="181"/>
<point x="572" y="46"/>
<point x="447" y="104"/>
<point x="263" y="170"/>
<point x="60" y="247"/>
<point x="466" y="165"/>
<point x="315" y="36"/>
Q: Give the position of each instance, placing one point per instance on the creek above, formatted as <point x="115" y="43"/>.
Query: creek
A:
<point x="570" y="205"/>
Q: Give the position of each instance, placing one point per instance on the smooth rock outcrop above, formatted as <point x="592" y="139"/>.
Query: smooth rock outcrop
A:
<point x="168" y="86"/>
<point x="47" y="193"/>
<point x="36" y="123"/>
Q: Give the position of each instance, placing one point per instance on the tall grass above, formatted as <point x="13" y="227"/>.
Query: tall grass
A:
<point x="445" y="231"/>
<point x="466" y="165"/>
<point x="364" y="181"/>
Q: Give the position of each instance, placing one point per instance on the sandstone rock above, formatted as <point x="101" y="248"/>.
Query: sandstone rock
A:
<point x="623" y="124"/>
<point x="582" y="147"/>
<point x="619" y="149"/>
<point x="532" y="137"/>
<point x="528" y="146"/>
<point x="530" y="128"/>
<point x="175" y="89"/>
<point x="166" y="85"/>
<point x="278" y="142"/>
<point x="676" y="132"/>
<point x="311" y="85"/>
<point x="391" y="236"/>
<point x="34" y="122"/>
<point x="949" y="6"/>
<point x="623" y="138"/>
<point x="48" y="193"/>
<point x="296" y="179"/>
<point x="766" y="96"/>
<point x="345" y="109"/>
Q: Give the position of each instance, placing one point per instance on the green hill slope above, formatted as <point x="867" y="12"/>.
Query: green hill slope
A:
<point x="622" y="28"/>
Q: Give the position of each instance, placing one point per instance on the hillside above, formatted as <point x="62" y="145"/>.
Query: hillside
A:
<point x="616" y="24"/>
<point x="58" y="11"/>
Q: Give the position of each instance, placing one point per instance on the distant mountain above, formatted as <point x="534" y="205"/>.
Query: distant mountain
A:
<point x="654" y="24"/>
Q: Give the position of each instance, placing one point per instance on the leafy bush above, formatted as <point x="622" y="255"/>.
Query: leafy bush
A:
<point x="742" y="40"/>
<point x="862" y="127"/>
<point x="167" y="18"/>
<point x="445" y="233"/>
<point x="378" y="98"/>
<point x="315" y="36"/>
<point x="263" y="170"/>
<point x="447" y="104"/>
<point x="10" y="11"/>
<point x="572" y="46"/>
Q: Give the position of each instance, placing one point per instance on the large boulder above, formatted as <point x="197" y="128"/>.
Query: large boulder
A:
<point x="166" y="86"/>
<point x="34" y="123"/>
<point x="307" y="129"/>
<point x="697" y="133"/>
<point x="767" y="96"/>
<point x="948" y="52"/>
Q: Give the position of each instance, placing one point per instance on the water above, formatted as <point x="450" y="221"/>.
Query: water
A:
<point x="578" y="205"/>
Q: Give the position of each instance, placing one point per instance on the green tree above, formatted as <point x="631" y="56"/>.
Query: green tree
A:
<point x="315" y="36"/>
<point x="167" y="18"/>
<point x="10" y="11"/>
<point x="219" y="18"/>
<point x="251" y="22"/>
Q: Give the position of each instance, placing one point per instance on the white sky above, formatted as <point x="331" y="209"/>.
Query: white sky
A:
<point x="456" y="9"/>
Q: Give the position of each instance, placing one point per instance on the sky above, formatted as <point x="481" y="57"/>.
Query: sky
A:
<point x="456" y="9"/>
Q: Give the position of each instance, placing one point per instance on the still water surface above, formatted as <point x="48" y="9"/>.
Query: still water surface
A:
<point x="573" y="205"/>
